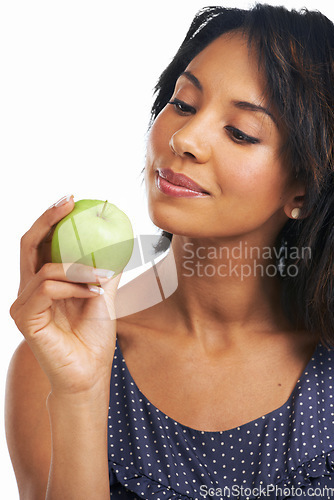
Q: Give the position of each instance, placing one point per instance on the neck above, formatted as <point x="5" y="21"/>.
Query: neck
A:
<point x="227" y="286"/>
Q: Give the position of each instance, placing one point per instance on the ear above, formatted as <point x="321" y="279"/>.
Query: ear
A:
<point x="294" y="205"/>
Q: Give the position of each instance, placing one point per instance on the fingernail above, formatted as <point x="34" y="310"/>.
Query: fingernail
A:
<point x="96" y="289"/>
<point x="103" y="273"/>
<point x="62" y="201"/>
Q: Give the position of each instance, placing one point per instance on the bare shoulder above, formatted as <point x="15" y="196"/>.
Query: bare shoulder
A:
<point x="27" y="423"/>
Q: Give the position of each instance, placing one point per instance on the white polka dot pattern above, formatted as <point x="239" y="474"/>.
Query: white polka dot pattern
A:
<point x="152" y="456"/>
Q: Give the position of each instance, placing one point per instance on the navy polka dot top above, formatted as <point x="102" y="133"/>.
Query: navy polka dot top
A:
<point x="288" y="453"/>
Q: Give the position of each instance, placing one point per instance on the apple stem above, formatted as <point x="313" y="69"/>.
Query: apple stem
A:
<point x="103" y="208"/>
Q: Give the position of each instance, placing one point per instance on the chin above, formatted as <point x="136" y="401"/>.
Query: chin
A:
<point x="174" y="215"/>
<point x="174" y="224"/>
<point x="162" y="220"/>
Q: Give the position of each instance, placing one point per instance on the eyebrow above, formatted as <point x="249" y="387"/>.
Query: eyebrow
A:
<point x="192" y="78"/>
<point x="247" y="106"/>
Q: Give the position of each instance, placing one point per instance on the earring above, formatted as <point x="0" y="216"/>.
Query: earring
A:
<point x="295" y="213"/>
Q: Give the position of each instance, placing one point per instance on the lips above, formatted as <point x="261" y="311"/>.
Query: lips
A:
<point x="180" y="180"/>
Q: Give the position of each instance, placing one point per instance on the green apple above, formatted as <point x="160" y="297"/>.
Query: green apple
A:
<point x="96" y="233"/>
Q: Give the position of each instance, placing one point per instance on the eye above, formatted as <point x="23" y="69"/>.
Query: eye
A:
<point x="182" y="108"/>
<point x="240" y="137"/>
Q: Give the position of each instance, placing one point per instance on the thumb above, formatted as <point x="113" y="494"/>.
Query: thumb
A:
<point x="102" y="307"/>
<point x="110" y="288"/>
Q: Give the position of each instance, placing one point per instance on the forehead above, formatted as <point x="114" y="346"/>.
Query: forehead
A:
<point x="229" y="59"/>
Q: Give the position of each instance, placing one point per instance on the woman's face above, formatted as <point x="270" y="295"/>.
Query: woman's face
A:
<point x="216" y="131"/>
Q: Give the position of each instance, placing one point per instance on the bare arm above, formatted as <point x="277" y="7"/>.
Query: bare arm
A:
<point x="79" y="429"/>
<point x="27" y="423"/>
<point x="79" y="446"/>
<point x="58" y="382"/>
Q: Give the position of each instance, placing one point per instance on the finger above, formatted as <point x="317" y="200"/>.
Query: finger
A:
<point x="81" y="273"/>
<point x="78" y="273"/>
<point x="39" y="231"/>
<point x="36" y="312"/>
<point x="43" y="225"/>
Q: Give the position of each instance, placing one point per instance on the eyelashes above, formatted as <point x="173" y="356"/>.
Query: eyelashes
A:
<point x="182" y="107"/>
<point x="237" y="135"/>
<point x="240" y="136"/>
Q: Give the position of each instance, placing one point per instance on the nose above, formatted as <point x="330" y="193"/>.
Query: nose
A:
<point x="190" y="142"/>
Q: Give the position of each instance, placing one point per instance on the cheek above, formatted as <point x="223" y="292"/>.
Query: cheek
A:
<point x="159" y="136"/>
<point x="157" y="148"/>
<point x="254" y="176"/>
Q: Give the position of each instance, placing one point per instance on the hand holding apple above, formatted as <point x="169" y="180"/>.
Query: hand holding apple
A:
<point x="68" y="323"/>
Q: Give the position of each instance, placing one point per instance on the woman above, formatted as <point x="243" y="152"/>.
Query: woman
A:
<point x="224" y="388"/>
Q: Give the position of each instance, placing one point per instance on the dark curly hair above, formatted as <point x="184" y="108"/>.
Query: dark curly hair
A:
<point x="296" y="52"/>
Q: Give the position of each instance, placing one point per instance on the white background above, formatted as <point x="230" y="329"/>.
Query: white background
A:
<point x="76" y="88"/>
